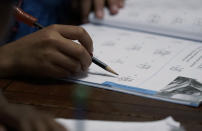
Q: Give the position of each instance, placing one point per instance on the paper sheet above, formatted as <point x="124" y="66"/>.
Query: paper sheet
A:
<point x="167" y="124"/>
<point x="145" y="61"/>
<point x="179" y="18"/>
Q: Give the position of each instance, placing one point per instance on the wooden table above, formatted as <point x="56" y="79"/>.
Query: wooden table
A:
<point x="57" y="98"/>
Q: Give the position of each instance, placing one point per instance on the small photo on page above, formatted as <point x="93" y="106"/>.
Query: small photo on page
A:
<point x="183" y="88"/>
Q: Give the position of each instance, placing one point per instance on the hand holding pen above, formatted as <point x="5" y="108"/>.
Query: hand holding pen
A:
<point x="49" y="52"/>
<point x="86" y="41"/>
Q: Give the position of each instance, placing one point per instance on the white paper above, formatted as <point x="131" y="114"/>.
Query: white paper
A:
<point x="178" y="18"/>
<point x="142" y="60"/>
<point x="167" y="124"/>
<point x="151" y="64"/>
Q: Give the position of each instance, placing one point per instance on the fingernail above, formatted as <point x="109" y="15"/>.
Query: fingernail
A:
<point x="121" y="4"/>
<point x="91" y="54"/>
<point x="99" y="14"/>
<point x="114" y="9"/>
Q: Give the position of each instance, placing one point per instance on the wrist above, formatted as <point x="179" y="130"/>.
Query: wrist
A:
<point x="6" y="62"/>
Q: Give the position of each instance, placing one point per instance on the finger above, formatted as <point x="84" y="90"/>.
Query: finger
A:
<point x="25" y="126"/>
<point x="75" y="33"/>
<point x="51" y="125"/>
<point x="113" y="6"/>
<point x="77" y="51"/>
<point x="38" y="125"/>
<point x="2" y="128"/>
<point x="48" y="70"/>
<point x="65" y="62"/>
<point x="86" y="7"/>
<point x="121" y="3"/>
<point x="70" y="49"/>
<point x="27" y="122"/>
<point x="54" y="71"/>
<point x="99" y="8"/>
<point x="55" y="126"/>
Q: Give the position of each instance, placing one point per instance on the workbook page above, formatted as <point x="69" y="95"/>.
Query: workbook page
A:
<point x="176" y="18"/>
<point x="142" y="60"/>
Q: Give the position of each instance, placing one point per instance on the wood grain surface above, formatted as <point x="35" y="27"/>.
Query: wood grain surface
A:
<point x="60" y="99"/>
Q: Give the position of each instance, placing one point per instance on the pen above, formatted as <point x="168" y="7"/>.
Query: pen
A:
<point x="32" y="21"/>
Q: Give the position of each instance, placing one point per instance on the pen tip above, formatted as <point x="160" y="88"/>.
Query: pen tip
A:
<point x="111" y="70"/>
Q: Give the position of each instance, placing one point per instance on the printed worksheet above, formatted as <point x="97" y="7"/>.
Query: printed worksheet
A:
<point x="155" y="47"/>
<point x="179" y="18"/>
<point x="142" y="60"/>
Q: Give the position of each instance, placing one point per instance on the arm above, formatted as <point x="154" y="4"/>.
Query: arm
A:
<point x="13" y="117"/>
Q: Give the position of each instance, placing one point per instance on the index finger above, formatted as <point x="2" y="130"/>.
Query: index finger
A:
<point x="86" y="7"/>
<point x="121" y="3"/>
<point x="113" y="6"/>
<point x="99" y="8"/>
<point x="76" y="33"/>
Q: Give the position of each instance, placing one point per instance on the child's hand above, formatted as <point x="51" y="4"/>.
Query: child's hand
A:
<point x="19" y="118"/>
<point x="98" y="6"/>
<point x="2" y="128"/>
<point x="49" y="52"/>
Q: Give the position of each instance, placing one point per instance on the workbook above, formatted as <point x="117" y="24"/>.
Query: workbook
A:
<point x="156" y="48"/>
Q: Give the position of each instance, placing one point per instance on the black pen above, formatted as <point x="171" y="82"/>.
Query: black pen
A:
<point x="32" y="21"/>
